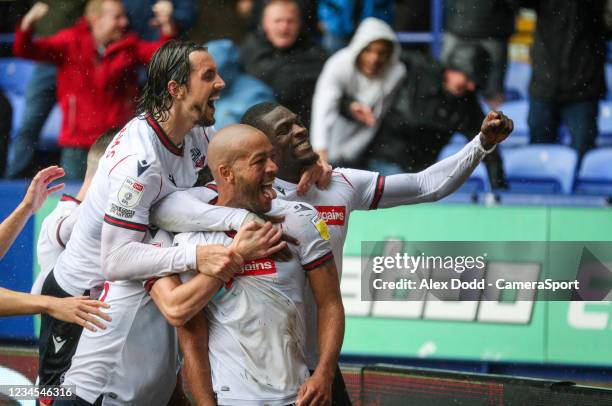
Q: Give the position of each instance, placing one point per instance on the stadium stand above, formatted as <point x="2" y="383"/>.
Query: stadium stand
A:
<point x="517" y="110"/>
<point x="595" y="175"/>
<point x="15" y="75"/>
<point x="517" y="81"/>
<point x="478" y="181"/>
<point x="604" y="124"/>
<point x="544" y="169"/>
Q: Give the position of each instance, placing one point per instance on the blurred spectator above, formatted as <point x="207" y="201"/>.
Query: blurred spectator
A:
<point x="568" y="58"/>
<point x="251" y="11"/>
<point x="432" y="104"/>
<point x="40" y="93"/>
<point x="339" y="19"/>
<point x="96" y="79"/>
<point x="489" y="23"/>
<point x="368" y="72"/>
<point x="241" y="90"/>
<point x="143" y="20"/>
<point x="6" y="121"/>
<point x="283" y="57"/>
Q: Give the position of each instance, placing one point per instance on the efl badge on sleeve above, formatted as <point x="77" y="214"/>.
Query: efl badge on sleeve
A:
<point x="321" y="227"/>
<point x="130" y="193"/>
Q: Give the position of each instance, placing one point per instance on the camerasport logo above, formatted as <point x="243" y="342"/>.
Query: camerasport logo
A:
<point x="258" y="267"/>
<point x="332" y="215"/>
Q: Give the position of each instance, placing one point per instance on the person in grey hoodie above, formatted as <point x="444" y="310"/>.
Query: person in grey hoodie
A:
<point x="369" y="72"/>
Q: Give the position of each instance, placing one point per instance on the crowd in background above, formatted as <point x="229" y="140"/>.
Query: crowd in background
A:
<point x="368" y="101"/>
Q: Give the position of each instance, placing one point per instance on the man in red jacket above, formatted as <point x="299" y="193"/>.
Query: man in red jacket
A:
<point x="97" y="63"/>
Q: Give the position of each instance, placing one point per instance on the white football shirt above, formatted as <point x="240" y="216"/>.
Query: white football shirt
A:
<point x="51" y="242"/>
<point x="134" y="361"/>
<point x="256" y="322"/>
<point x="140" y="166"/>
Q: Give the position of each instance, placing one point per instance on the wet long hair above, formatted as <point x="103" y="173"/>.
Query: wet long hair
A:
<point x="169" y="62"/>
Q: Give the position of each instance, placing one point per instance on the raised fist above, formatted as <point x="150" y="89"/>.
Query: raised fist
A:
<point x="495" y="128"/>
<point x="37" y="12"/>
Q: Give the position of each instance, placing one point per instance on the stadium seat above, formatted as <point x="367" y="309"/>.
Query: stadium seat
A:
<point x="15" y="75"/>
<point x="50" y="131"/>
<point x="609" y="80"/>
<point x="458" y="139"/>
<point x="18" y="105"/>
<point x="604" y="124"/>
<point x="595" y="175"/>
<point x="545" y="169"/>
<point x="517" y="199"/>
<point x="478" y="181"/>
<point x="517" y="80"/>
<point x="517" y="111"/>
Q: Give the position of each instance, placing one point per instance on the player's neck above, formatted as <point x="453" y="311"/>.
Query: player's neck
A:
<point x="176" y="128"/>
<point x="291" y="176"/>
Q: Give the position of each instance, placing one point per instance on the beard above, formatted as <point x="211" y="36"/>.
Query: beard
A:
<point x="250" y="196"/>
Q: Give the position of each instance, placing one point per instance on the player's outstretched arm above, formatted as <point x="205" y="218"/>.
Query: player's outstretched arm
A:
<point x="35" y="196"/>
<point x="79" y="310"/>
<point x="193" y="339"/>
<point x="446" y="176"/>
<point x="325" y="286"/>
<point x="179" y="302"/>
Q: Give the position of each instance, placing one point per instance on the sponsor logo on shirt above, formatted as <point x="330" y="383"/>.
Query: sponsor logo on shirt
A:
<point x="122" y="212"/>
<point x="258" y="267"/>
<point x="332" y="215"/>
<point x="321" y="227"/>
<point x="130" y="192"/>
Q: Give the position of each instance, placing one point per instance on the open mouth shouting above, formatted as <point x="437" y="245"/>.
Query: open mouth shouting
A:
<point x="268" y="191"/>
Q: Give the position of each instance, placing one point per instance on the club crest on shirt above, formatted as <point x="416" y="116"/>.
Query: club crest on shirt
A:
<point x="130" y="192"/>
<point x="197" y="157"/>
<point x="321" y="227"/>
<point x="332" y="215"/>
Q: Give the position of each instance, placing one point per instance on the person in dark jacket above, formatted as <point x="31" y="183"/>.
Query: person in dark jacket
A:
<point x="284" y="58"/>
<point x="568" y="57"/>
<point x="489" y="23"/>
<point x="433" y="103"/>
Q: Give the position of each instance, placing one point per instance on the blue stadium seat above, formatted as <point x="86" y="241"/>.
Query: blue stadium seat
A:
<point x="517" y="111"/>
<point x="15" y="74"/>
<point x="604" y="124"/>
<point x="50" y="131"/>
<point x="544" y="169"/>
<point x="478" y="180"/>
<point x="516" y="199"/>
<point x="609" y="80"/>
<point x="517" y="80"/>
<point x="18" y="105"/>
<point x="458" y="139"/>
<point x="595" y="175"/>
